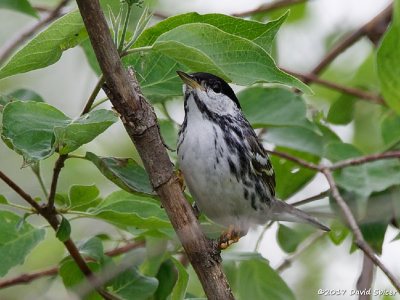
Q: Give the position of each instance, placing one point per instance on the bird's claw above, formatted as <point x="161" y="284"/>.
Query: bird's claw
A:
<point x="229" y="236"/>
<point x="180" y="180"/>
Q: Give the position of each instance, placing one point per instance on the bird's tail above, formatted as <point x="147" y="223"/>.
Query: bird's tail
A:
<point x="282" y="211"/>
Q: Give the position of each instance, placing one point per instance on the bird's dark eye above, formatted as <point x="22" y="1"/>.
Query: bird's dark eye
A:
<point x="216" y="86"/>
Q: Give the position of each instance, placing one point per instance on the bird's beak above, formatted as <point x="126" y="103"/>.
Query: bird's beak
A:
<point x="189" y="80"/>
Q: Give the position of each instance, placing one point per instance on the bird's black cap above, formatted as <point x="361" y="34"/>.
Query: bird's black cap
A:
<point x="216" y="83"/>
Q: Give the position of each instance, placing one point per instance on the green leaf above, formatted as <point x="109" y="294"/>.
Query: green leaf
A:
<point x="337" y="151"/>
<point x="71" y="274"/>
<point x="157" y="74"/>
<point x="388" y="62"/>
<point x="290" y="238"/>
<point x="124" y="172"/>
<point x="341" y="111"/>
<point x="16" y="245"/>
<point x="291" y="177"/>
<point x="25" y="95"/>
<point x="92" y="248"/>
<point x="261" y="34"/>
<point x="83" y="130"/>
<point x="169" y="132"/>
<point x="131" y="285"/>
<point x="46" y="48"/>
<point x="125" y="209"/>
<point x="91" y="57"/>
<point x="230" y="57"/>
<point x="338" y="232"/>
<point x="3" y="200"/>
<point x="179" y="291"/>
<point x="296" y="138"/>
<point x="22" y="6"/>
<point x="81" y="197"/>
<point x="257" y="280"/>
<point x="36" y="129"/>
<point x="64" y="230"/>
<point x="166" y="277"/>
<point x="369" y="177"/>
<point x="265" y="106"/>
<point x="29" y="127"/>
<point x="390" y="127"/>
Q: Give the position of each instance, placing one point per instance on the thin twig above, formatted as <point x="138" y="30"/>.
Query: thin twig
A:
<point x="28" y="277"/>
<point x="300" y="250"/>
<point x="366" y="29"/>
<point x="20" y="192"/>
<point x="364" y="159"/>
<point x="311" y="199"/>
<point x="28" y="32"/>
<point x="261" y="237"/>
<point x="269" y="7"/>
<point x="306" y="78"/>
<point x="299" y="161"/>
<point x="93" y="95"/>
<point x="359" y="239"/>
<point x="56" y="173"/>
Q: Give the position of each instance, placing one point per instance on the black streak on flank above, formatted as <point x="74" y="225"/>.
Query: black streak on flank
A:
<point x="246" y="194"/>
<point x="253" y="201"/>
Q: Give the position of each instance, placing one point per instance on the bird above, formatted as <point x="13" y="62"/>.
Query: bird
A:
<point x="225" y="167"/>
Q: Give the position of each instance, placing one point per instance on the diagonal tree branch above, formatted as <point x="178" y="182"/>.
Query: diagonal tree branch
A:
<point x="141" y="124"/>
<point x="364" y="159"/>
<point x="348" y="90"/>
<point x="28" y="32"/>
<point x="269" y="7"/>
<point x="359" y="239"/>
<point x="298" y="161"/>
<point x="372" y="29"/>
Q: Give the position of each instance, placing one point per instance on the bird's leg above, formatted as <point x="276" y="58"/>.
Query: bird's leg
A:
<point x="180" y="180"/>
<point x="230" y="236"/>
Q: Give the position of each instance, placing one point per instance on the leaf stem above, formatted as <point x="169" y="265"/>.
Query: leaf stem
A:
<point x="130" y="51"/>
<point x="36" y="170"/>
<point x="121" y="43"/>
<point x="105" y="99"/>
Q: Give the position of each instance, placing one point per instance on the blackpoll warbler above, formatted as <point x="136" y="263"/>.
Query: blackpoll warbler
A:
<point x="225" y="167"/>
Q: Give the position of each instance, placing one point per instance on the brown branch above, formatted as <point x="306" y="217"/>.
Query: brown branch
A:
<point x="20" y="192"/>
<point x="364" y="159"/>
<point x="269" y="7"/>
<point x="359" y="239"/>
<point x="364" y="282"/>
<point x="306" y="78"/>
<point x="370" y="29"/>
<point x="299" y="161"/>
<point x="28" y="277"/>
<point x="28" y="32"/>
<point x="141" y="124"/>
<point x="50" y="214"/>
<point x="59" y="164"/>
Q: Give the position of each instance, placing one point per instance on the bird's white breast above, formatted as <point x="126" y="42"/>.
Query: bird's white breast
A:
<point x="202" y="158"/>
